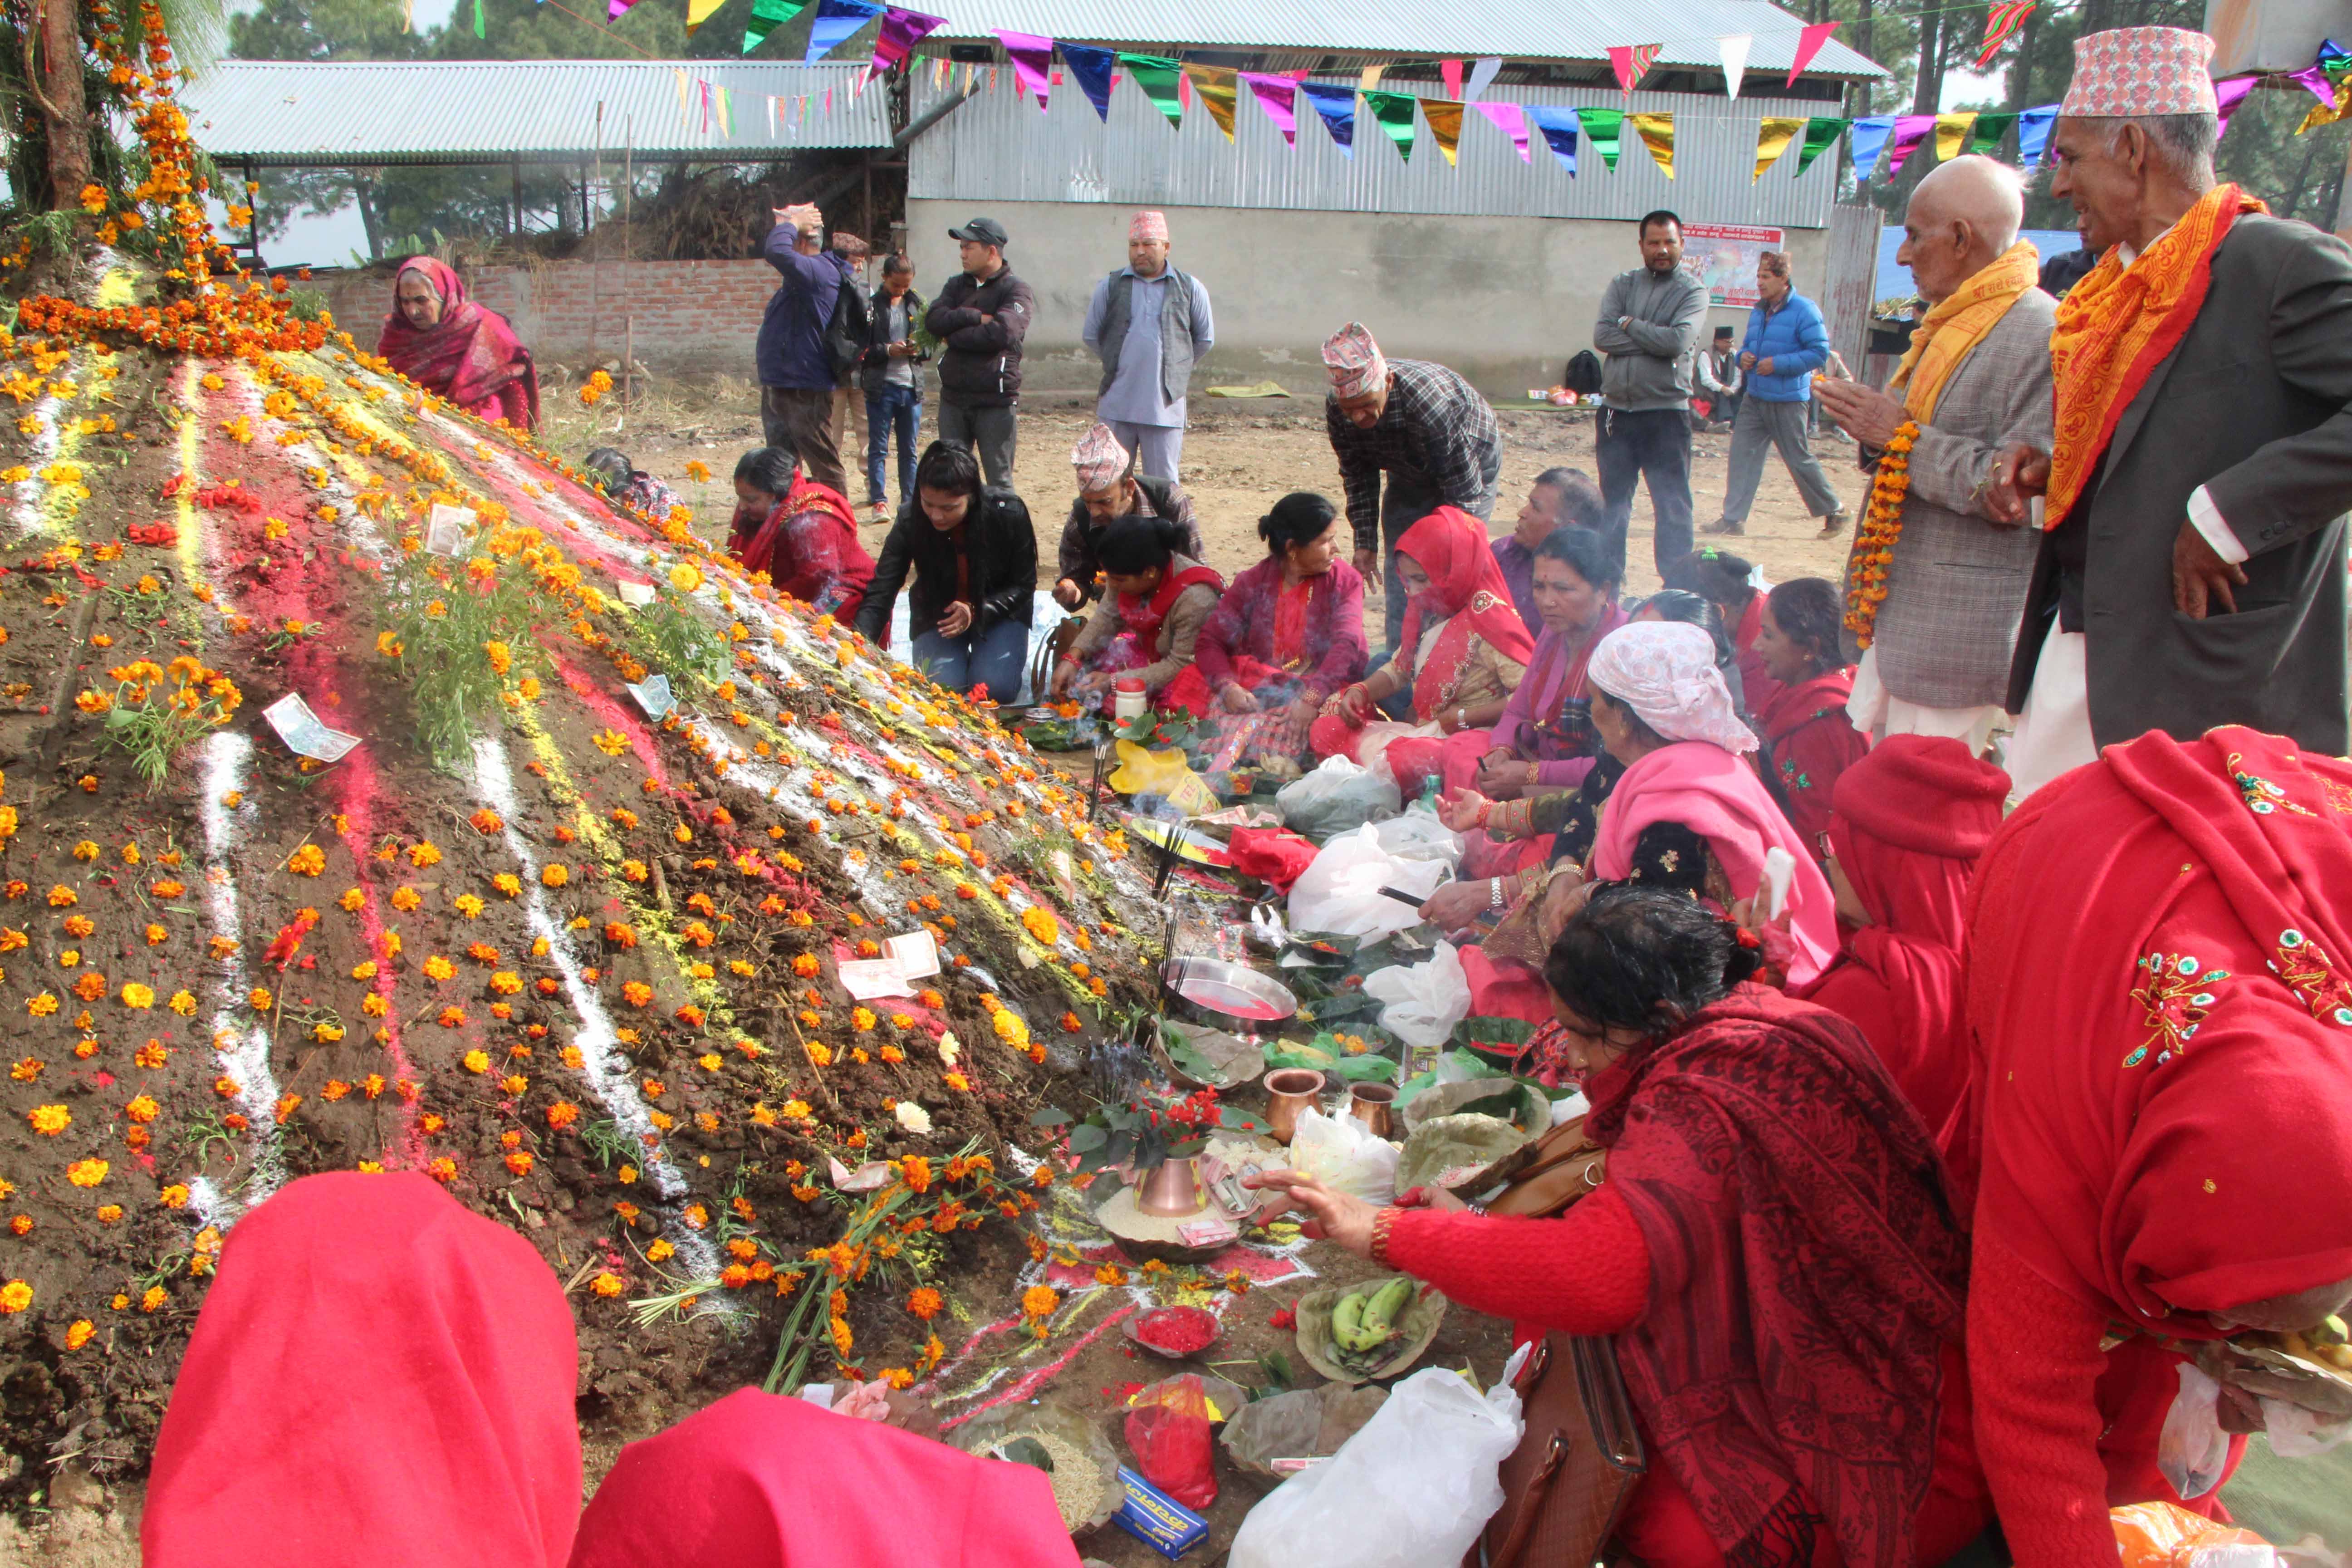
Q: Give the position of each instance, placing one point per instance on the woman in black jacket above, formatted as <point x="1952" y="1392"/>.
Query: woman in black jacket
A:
<point x="974" y="553"/>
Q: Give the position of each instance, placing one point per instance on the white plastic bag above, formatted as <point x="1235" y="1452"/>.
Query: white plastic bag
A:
<point x="1413" y="1489"/>
<point x="1339" y="891"/>
<point x="1424" y="1001"/>
<point x="2192" y="1451"/>
<point x="2297" y="1433"/>
<point x="1345" y="1155"/>
<point x="1418" y="835"/>
<point x="1338" y="796"/>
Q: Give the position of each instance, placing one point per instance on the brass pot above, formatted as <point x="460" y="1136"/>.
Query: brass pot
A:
<point x="1173" y="1190"/>
<point x="1289" y="1092"/>
<point x="1370" y="1103"/>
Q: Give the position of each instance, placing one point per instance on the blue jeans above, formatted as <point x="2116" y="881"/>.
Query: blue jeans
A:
<point x="893" y="407"/>
<point x="992" y="658"/>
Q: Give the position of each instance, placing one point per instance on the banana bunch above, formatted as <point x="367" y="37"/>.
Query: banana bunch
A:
<point x="1364" y="1321"/>
<point x="2326" y="1343"/>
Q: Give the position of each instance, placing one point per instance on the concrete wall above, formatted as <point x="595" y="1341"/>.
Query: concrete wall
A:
<point x="1505" y="300"/>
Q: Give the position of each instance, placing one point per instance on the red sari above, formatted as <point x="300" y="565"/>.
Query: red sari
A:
<point x="809" y="548"/>
<point x="1757" y="686"/>
<point x="1808" y="743"/>
<point x="470" y="356"/>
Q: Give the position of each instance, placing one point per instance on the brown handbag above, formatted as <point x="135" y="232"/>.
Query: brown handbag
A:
<point x="1550" y="1173"/>
<point x="1565" y="1486"/>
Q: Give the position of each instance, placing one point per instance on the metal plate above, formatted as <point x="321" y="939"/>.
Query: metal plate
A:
<point x="1228" y="996"/>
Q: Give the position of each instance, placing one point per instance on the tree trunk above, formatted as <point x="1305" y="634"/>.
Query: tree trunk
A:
<point x="1927" y="86"/>
<point x="2302" y="181"/>
<point x="1862" y="41"/>
<point x="54" y="79"/>
<point x="2021" y="70"/>
<point x="365" y="187"/>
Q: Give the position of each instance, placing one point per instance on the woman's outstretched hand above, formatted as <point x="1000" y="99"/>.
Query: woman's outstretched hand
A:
<point x="1330" y="1216"/>
<point x="1462" y="809"/>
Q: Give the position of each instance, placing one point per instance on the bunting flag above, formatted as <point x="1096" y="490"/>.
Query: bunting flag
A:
<point x="1091" y="68"/>
<point x="1910" y="130"/>
<point x="835" y="21"/>
<point x="1157" y="78"/>
<point x="766" y="17"/>
<point x="828" y="100"/>
<point x="1821" y="134"/>
<point x="1809" y="44"/>
<point x="697" y="12"/>
<point x="1632" y="62"/>
<point x="2004" y="19"/>
<point x="1952" y="134"/>
<point x="1735" y="60"/>
<point x="726" y="110"/>
<point x="1987" y="135"/>
<point x="2326" y="114"/>
<point x="941" y="67"/>
<point x="1368" y="77"/>
<point x="1481" y="77"/>
<point x="1032" y="57"/>
<point x="2314" y="79"/>
<point x="1772" y="139"/>
<point x="1336" y="107"/>
<point x="1869" y="141"/>
<point x="1510" y="119"/>
<point x="1657" y="133"/>
<point x="1602" y="127"/>
<point x="2229" y="95"/>
<point x="2335" y="60"/>
<point x="1450" y="72"/>
<point x="1218" y="89"/>
<point x="771" y="98"/>
<point x="1184" y="92"/>
<point x="1445" y="117"/>
<point x="682" y="89"/>
<point x="1278" y="96"/>
<point x="2033" y="135"/>
<point x="1392" y="112"/>
<point x="481" y="23"/>
<point x="1559" y="128"/>
<point x="902" y="31"/>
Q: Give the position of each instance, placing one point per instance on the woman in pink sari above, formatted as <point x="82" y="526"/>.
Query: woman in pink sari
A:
<point x="455" y="348"/>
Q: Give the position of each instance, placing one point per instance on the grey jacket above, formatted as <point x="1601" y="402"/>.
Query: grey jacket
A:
<point x="1958" y="584"/>
<point x="2255" y="403"/>
<point x="1179" y="633"/>
<point x="1176" y="331"/>
<point x="1649" y="358"/>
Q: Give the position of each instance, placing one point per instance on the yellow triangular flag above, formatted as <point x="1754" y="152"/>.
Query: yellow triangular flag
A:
<point x="1368" y="77"/>
<point x="1952" y="134"/>
<point x="2326" y="115"/>
<point x="1772" y="139"/>
<point x="1217" y="87"/>
<point x="1657" y="133"/>
<point x="697" y="12"/>
<point x="1445" y="117"/>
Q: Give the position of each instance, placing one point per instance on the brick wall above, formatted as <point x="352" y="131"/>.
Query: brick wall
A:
<point x="690" y="315"/>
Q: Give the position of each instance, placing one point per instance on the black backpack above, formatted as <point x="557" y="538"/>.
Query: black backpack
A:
<point x="1583" y="375"/>
<point x="851" y="330"/>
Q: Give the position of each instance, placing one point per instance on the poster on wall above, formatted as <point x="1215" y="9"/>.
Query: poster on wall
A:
<point x="1723" y="257"/>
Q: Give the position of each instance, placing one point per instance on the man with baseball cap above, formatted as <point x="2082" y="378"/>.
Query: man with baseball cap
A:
<point x="982" y="314"/>
<point x="1149" y="322"/>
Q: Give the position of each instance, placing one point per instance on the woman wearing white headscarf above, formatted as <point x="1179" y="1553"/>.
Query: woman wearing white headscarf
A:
<point x="1675" y="803"/>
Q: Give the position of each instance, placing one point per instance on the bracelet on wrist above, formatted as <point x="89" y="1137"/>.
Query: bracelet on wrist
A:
<point x="1382" y="1224"/>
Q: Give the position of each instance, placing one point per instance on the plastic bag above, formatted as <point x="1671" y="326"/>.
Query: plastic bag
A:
<point x="1305" y="1424"/>
<point x="1338" y="796"/>
<point x="1418" y="835"/>
<point x="1162" y="773"/>
<point x="1340" y="892"/>
<point x="2166" y="1535"/>
<point x="2193" y="1451"/>
<point x="2297" y="1433"/>
<point x="1345" y="1155"/>
<point x="1424" y="1001"/>
<point x="1413" y="1488"/>
<point x="1168" y="1431"/>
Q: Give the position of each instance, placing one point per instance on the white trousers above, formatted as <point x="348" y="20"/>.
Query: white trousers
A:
<point x="1878" y="714"/>
<point x="2053" y="733"/>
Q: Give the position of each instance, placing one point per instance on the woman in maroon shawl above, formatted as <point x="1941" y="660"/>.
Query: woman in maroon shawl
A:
<point x="803" y="534"/>
<point x="1771" y="1249"/>
<point x="448" y="346"/>
<point x="2160" y="1109"/>
<point x="1808" y="739"/>
<point x="1288" y="634"/>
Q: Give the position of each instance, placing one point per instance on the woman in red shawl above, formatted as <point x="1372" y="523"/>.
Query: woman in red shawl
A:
<point x="377" y="1376"/>
<point x="803" y="534"/>
<point x="1908" y="822"/>
<point x="1149" y="623"/>
<point x="1463" y="652"/>
<point x="2160" y="1111"/>
<point x="1771" y="1249"/>
<point x="448" y="344"/>
<point x="1728" y="581"/>
<point x="1808" y="739"/>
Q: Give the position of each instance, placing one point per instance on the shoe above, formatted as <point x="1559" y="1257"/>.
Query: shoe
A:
<point x="1724" y="525"/>
<point x="1835" y="524"/>
<point x="880" y="512"/>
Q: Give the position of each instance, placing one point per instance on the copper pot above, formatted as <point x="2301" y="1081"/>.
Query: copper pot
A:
<point x="1289" y="1092"/>
<point x="1173" y="1189"/>
<point x="1370" y="1103"/>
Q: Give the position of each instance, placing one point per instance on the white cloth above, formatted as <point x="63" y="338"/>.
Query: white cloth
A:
<point x="2215" y="527"/>
<point x="2053" y="733"/>
<point x="1664" y="671"/>
<point x="1878" y="714"/>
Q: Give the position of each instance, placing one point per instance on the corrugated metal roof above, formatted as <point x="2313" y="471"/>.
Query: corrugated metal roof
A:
<point x="1514" y="30"/>
<point x="279" y="112"/>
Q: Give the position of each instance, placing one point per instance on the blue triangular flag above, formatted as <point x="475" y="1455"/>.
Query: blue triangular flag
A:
<point x="2033" y="134"/>
<point x="1090" y="67"/>
<point x="1337" y="106"/>
<point x="1869" y="141"/>
<point x="835" y="21"/>
<point x="1558" y="127"/>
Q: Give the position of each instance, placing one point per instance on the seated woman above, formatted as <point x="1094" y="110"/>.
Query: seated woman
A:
<point x="1808" y="739"/>
<point x="460" y="350"/>
<point x="1728" y="581"/>
<point x="1795" y="1412"/>
<point x="1148" y="622"/>
<point x="1907" y="822"/>
<point x="1289" y="633"/>
<point x="803" y="534"/>
<point x="1463" y="652"/>
<point x="2159" y="1112"/>
<point x="626" y="485"/>
<point x="1690" y="610"/>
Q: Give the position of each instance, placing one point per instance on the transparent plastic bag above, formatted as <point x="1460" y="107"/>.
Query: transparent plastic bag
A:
<point x="1172" y="1441"/>
<point x="1345" y="1155"/>
<point x="1424" y="1001"/>
<point x="2193" y="1451"/>
<point x="1340" y="892"/>
<point x="1338" y="796"/>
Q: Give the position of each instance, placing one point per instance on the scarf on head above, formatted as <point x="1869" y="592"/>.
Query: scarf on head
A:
<point x="1664" y="671"/>
<point x="1467" y="591"/>
<point x="1142" y="615"/>
<point x="1949" y="330"/>
<point x="2118" y="325"/>
<point x="467" y="355"/>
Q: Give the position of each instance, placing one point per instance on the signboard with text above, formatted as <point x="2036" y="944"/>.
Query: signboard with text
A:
<point x="1723" y="257"/>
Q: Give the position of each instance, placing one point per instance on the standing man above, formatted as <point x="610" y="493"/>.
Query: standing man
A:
<point x="796" y="374"/>
<point x="847" y="336"/>
<point x="982" y="314"/>
<point x="1975" y="380"/>
<point x="2191" y="569"/>
<point x="1786" y="344"/>
<point x="1649" y="325"/>
<point x="1111" y="487"/>
<point x="1150" y="323"/>
<point x="893" y="380"/>
<point x="1421" y="424"/>
<point x="1557" y="499"/>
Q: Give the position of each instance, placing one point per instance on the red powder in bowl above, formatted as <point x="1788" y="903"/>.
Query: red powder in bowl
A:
<point x="1179" y="1331"/>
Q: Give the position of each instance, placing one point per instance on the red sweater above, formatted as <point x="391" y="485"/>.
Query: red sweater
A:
<point x="1586" y="1272"/>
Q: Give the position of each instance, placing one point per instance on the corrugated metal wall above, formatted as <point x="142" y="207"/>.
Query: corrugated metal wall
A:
<point x="998" y="147"/>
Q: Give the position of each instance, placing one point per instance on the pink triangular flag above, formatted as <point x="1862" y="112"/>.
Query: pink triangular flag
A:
<point x="1510" y="119"/>
<point x="1451" y="71"/>
<point x="828" y="100"/>
<point x="1184" y="92"/>
<point x="1809" y="44"/>
<point x="1278" y="96"/>
<point x="1032" y="60"/>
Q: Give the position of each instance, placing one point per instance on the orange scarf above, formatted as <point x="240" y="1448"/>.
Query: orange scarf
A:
<point x="2115" y="327"/>
<point x="1946" y="333"/>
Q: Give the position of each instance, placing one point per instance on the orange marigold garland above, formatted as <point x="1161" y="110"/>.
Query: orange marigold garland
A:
<point x="1872" y="559"/>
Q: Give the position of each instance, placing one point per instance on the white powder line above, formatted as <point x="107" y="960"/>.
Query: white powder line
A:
<point x="243" y="1048"/>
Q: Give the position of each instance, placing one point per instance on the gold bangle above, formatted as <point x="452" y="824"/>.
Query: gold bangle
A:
<point x="1383" y="1223"/>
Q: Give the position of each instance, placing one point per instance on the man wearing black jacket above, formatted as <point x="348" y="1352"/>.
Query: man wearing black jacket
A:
<point x="975" y="553"/>
<point x="982" y="314"/>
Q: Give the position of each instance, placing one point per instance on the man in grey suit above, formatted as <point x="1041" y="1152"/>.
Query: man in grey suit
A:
<point x="2192" y="571"/>
<point x="1937" y="659"/>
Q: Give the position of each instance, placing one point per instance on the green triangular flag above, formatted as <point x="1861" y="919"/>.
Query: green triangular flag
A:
<point x="1601" y="127"/>
<point x="1820" y="135"/>
<point x="1394" y="111"/>
<point x="1158" y="79"/>
<point x="481" y="24"/>
<point x="1989" y="129"/>
<point x="767" y="15"/>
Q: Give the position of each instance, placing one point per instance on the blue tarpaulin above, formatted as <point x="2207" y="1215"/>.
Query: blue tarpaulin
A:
<point x="1894" y="279"/>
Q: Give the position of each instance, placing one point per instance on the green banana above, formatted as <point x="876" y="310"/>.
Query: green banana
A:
<point x="1347" y="1321"/>
<point x="1381" y="1316"/>
<point x="2331" y="1332"/>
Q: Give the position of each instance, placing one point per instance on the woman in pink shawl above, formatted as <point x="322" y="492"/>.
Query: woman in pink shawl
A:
<point x="448" y="346"/>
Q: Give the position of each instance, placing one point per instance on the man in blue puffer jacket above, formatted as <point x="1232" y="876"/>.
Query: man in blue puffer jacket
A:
<point x="1786" y="344"/>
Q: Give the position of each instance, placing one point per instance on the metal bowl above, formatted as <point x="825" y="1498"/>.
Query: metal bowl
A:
<point x="1229" y="996"/>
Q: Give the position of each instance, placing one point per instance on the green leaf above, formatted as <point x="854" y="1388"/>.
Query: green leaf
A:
<point x="1086" y="1138"/>
<point x="1049" y="1116"/>
<point x="1026" y="1451"/>
<point x="1505" y="1106"/>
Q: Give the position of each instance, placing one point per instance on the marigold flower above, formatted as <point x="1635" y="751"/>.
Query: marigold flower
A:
<point x="137" y="995"/>
<point x="509" y="884"/>
<point x="555" y="875"/>
<point x="62" y="897"/>
<point x="174" y="1196"/>
<point x="562" y="1114"/>
<point x="50" y="1120"/>
<point x="608" y="1285"/>
<point x="14" y="1296"/>
<point x="406" y="899"/>
<point x="451" y="1017"/>
<point x="41" y="1005"/>
<point x="423" y="853"/>
<point x="1040" y="1300"/>
<point x="307" y="861"/>
<point x="637" y="994"/>
<point x="80" y="1334"/>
